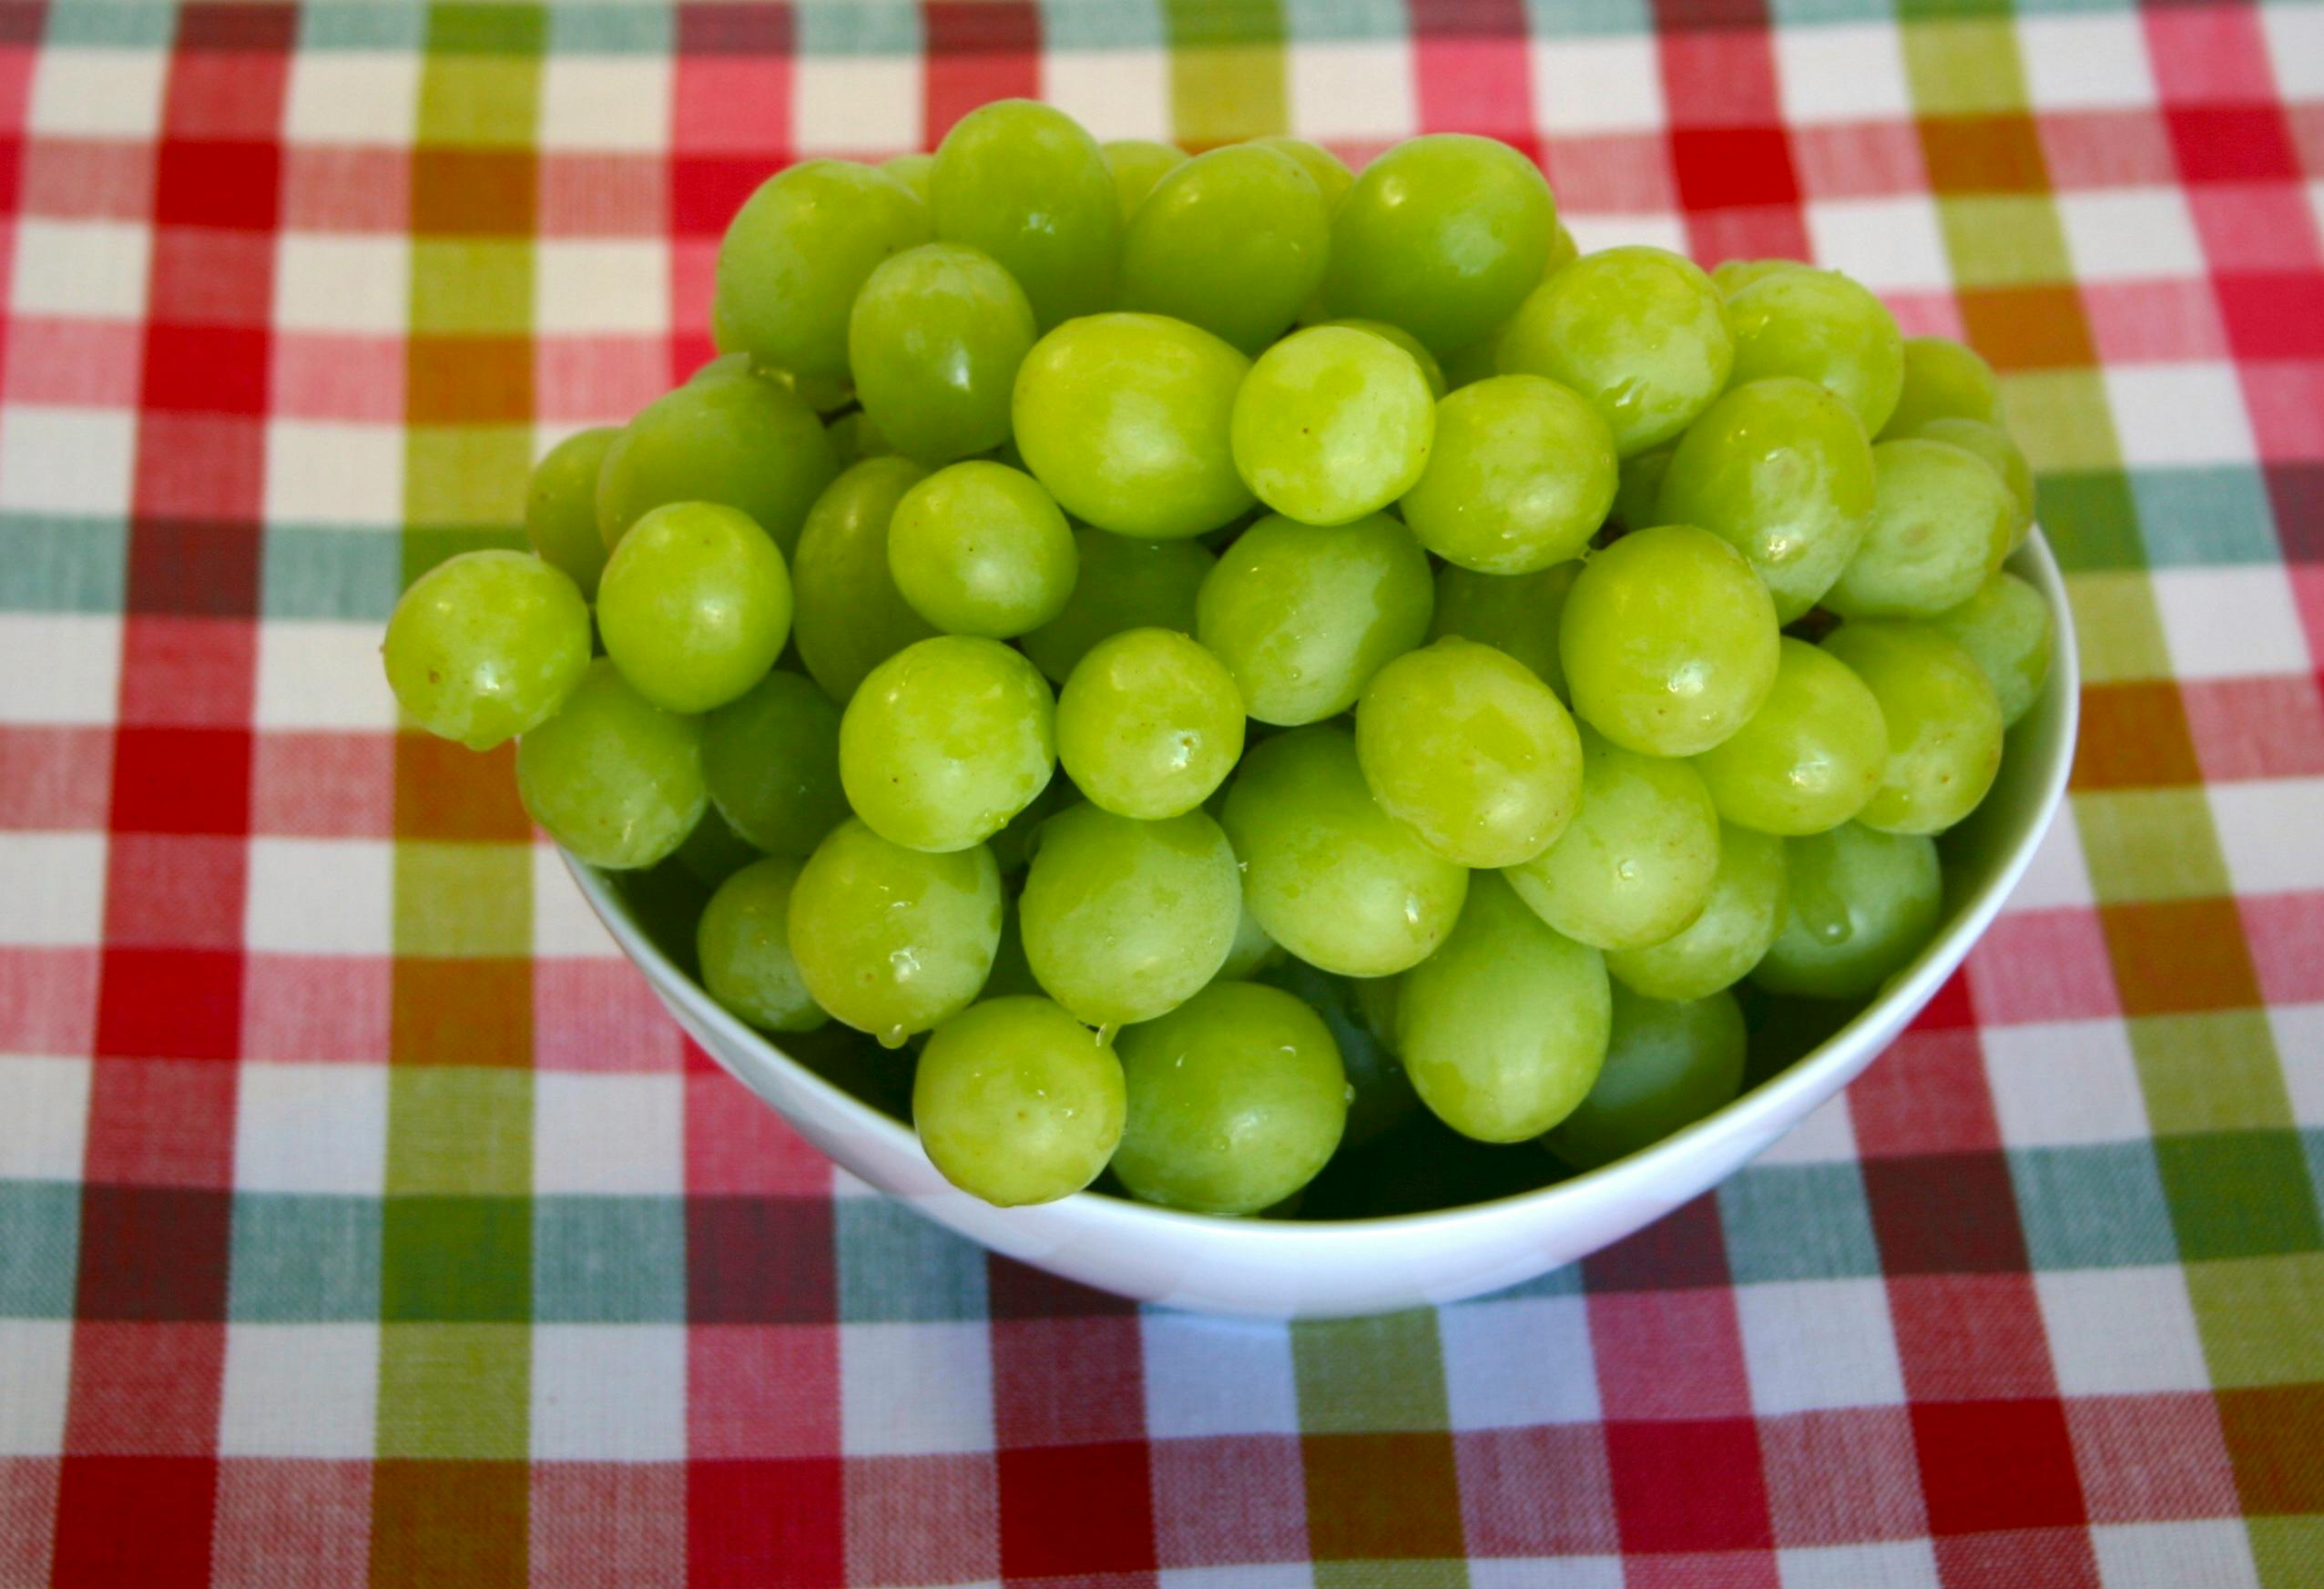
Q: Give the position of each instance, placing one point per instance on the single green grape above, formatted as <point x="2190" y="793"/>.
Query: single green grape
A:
<point x="486" y="645"/>
<point x="1636" y="863"/>
<point x="1862" y="903"/>
<point x="1820" y="326"/>
<point x="935" y="339"/>
<point x="1520" y="477"/>
<point x="771" y="760"/>
<point x="1137" y="164"/>
<point x="561" y="507"/>
<point x="1023" y="182"/>
<point x="1233" y="241"/>
<point x="2002" y="455"/>
<point x="1149" y="724"/>
<point x="1732" y="276"/>
<point x="744" y="945"/>
<point x="1517" y="613"/>
<point x="1016" y="1103"/>
<point x="1811" y="755"/>
<point x="1720" y="946"/>
<point x="612" y="776"/>
<point x="1324" y="168"/>
<point x="1331" y="424"/>
<point x="914" y="170"/>
<point x="1944" y="723"/>
<point x="1667" y="1065"/>
<point x="1382" y="1093"/>
<point x="850" y="617"/>
<point x="734" y="440"/>
<point x="1639" y="485"/>
<point x="1640" y="332"/>
<point x="1942" y="523"/>
<point x="2007" y="631"/>
<point x="1431" y="371"/>
<point x="892" y="941"/>
<point x="979" y="548"/>
<point x="946" y="741"/>
<point x="695" y="606"/>
<point x="1253" y="950"/>
<point x="1943" y="379"/>
<point x="1123" y="585"/>
<point x="797" y="251"/>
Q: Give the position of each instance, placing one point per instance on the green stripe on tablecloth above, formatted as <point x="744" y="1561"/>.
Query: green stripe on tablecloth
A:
<point x="1383" y="1488"/>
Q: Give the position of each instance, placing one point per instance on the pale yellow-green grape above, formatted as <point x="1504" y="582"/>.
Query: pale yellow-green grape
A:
<point x="1520" y="477"/>
<point x="797" y="252"/>
<point x="850" y="617"/>
<point x="892" y="941"/>
<point x="1944" y="723"/>
<point x="1669" y="640"/>
<point x="1253" y="950"/>
<point x="1149" y="724"/>
<point x="1820" y="326"/>
<point x="1331" y="424"/>
<point x="1127" y="419"/>
<point x="1325" y="169"/>
<point x="914" y="170"/>
<point x="1942" y="523"/>
<point x="1237" y="1098"/>
<point x="1862" y="904"/>
<point x="1943" y="379"/>
<point x="1504" y="1029"/>
<point x="1720" y="946"/>
<point x="1233" y="241"/>
<point x="1640" y="332"/>
<point x="612" y="776"/>
<point x="1991" y="444"/>
<point x="1780" y="469"/>
<point x="935" y="339"/>
<point x="1123" y="585"/>
<point x="1637" y="862"/>
<point x="561" y="507"/>
<point x="979" y="548"/>
<point x="485" y="645"/>
<point x="1809" y="757"/>
<point x="1441" y="235"/>
<point x="1638" y="487"/>
<point x="1431" y="371"/>
<point x="1023" y="182"/>
<point x="1137" y="164"/>
<point x="1124" y="920"/>
<point x="771" y="760"/>
<point x="1667" y="1065"/>
<point x="1382" y="1093"/>
<point x="744" y="945"/>
<point x="2007" y="631"/>
<point x="1016" y="1103"/>
<point x="695" y="606"/>
<point x="1464" y="746"/>
<point x="1732" y="276"/>
<point x="1304" y="615"/>
<point x="1517" y="613"/>
<point x="736" y="440"/>
<point x="946" y="741"/>
<point x="1331" y="876"/>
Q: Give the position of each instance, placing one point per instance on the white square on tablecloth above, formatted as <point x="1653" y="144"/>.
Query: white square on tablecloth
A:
<point x="1115" y="93"/>
<point x="318" y="1129"/>
<point x="321" y="472"/>
<point x="610" y="1393"/>
<point x="1842" y="72"/>
<point x="1608" y="84"/>
<point x="563" y="923"/>
<point x="1551" y="1333"/>
<point x="606" y="102"/>
<point x="55" y="887"/>
<point x="2299" y="1049"/>
<point x="1246" y="1575"/>
<point x="43" y="1116"/>
<point x="342" y="283"/>
<point x="596" y="288"/>
<point x="321" y="674"/>
<point x="2230" y="621"/>
<point x="2085" y="63"/>
<point x="88" y="269"/>
<point x="2187" y="1553"/>
<point x="1352" y="88"/>
<point x="299" y="1390"/>
<point x="2268" y="833"/>
<point x="66" y="460"/>
<point x="2178" y="413"/>
<point x="2125" y="1332"/>
<point x="352" y="96"/>
<point x="60" y="667"/>
<point x="857" y="104"/>
<point x="96" y="92"/>
<point x="1909" y="1564"/>
<point x="597" y="1133"/>
<point x="1827" y="1136"/>
<point x="2064" y="1083"/>
<point x="2130" y="234"/>
<point x="1547" y="1573"/>
<point x="1214" y="1376"/>
<point x="2295" y="47"/>
<point x="915" y="1389"/>
<point x="35" y="1372"/>
<point x="1891" y="245"/>
<point x="1813" y="1345"/>
<point x="320" y="896"/>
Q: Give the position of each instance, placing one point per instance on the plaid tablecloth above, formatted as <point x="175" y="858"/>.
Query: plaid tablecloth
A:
<point x="363" y="1223"/>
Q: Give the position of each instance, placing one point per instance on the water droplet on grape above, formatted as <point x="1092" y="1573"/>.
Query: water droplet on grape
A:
<point x="893" y="1037"/>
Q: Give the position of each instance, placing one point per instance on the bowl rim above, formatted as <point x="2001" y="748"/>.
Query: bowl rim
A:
<point x="1915" y="985"/>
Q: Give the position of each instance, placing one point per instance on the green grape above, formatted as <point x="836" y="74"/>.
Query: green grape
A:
<point x="1015" y="1104"/>
<point x="741" y="442"/>
<point x="714" y="851"/>
<point x="612" y="776"/>
<point x="1943" y="379"/>
<point x="1479" y="361"/>
<point x="1639" y="484"/>
<point x="2006" y="629"/>
<point x="1124" y="920"/>
<point x="823" y="394"/>
<point x="1137" y="164"/>
<point x="893" y="940"/>
<point x="1328" y="173"/>
<point x="485" y="645"/>
<point x="854" y="438"/>
<point x="1331" y="424"/>
<point x="935" y="339"/>
<point x="1820" y="326"/>
<point x="1233" y="242"/>
<point x="1253" y="950"/>
<point x="946" y="741"/>
<point x="1862" y="904"/>
<point x="850" y="617"/>
<point x="1123" y="585"/>
<point x="1732" y="276"/>
<point x="1431" y="371"/>
<point x="1382" y="1093"/>
<point x="979" y="548"/>
<point x="695" y="606"/>
<point x="1149" y="724"/>
<point x="1720" y="948"/>
<point x="1639" y="332"/>
<point x="914" y="170"/>
<point x="1303" y="617"/>
<point x="1668" y="641"/>
<point x="561" y="507"/>
<point x="1520" y="477"/>
<point x="1637" y="862"/>
<point x="1991" y="444"/>
<point x="1024" y="183"/>
<point x="1464" y="746"/>
<point x="1944" y="723"/>
<point x="1012" y="974"/>
<point x="1779" y="469"/>
<point x="1014" y="845"/>
<point x="1563" y="251"/>
<point x="1942" y="523"/>
<point x="797" y="252"/>
<point x="1811" y="755"/>
<point x="1667" y="1065"/>
<point x="1126" y="419"/>
<point x="1441" y="235"/>
<point x="1504" y="1029"/>
<point x="1517" y="613"/>
<point x="744" y="945"/>
<point x="1331" y="876"/>
<point x="771" y="760"/>
<point x="1237" y="1098"/>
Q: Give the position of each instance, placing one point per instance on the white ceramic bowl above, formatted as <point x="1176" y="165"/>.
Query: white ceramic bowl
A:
<point x="1279" y="1268"/>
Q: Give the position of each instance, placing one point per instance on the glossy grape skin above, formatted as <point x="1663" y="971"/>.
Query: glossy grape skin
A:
<point x="1126" y="419"/>
<point x="1016" y="1103"/>
<point x="1237" y="1098"/>
<point x="1504" y="1029"/>
<point x="1516" y="614"/>
<point x="1023" y="182"/>
<point x="486" y="645"/>
<point x="850" y="617"/>
<point x="1820" y="326"/>
<point x="979" y="548"/>
<point x="1780" y="469"/>
<point x="1431" y="371"/>
<point x="1943" y="379"/>
<point x="771" y="760"/>
<point x="1123" y="585"/>
<point x="1303" y="617"/>
<point x="1233" y="241"/>
<point x="612" y="776"/>
<point x="1464" y="746"/>
<point x="1667" y="1065"/>
<point x="1331" y="876"/>
<point x="695" y="606"/>
<point x="1942" y="523"/>
<point x="914" y="170"/>
<point x="561" y="507"/>
<point x="935" y="339"/>
<point x="1862" y="906"/>
<point x="2002" y="455"/>
<point x="1442" y="235"/>
<point x="1137" y="164"/>
<point x="2007" y="631"/>
<point x="797" y="252"/>
<point x="736" y="440"/>
<point x="1149" y="724"/>
<point x="1638" y="861"/>
<point x="744" y="945"/>
<point x="1520" y="477"/>
<point x="1811" y="755"/>
<point x="946" y="741"/>
<point x="1333" y="423"/>
<point x="892" y="941"/>
<point x="1324" y="168"/>
<point x="1638" y="486"/>
<point x="1944" y="723"/>
<point x="1382" y="1093"/>
<point x="1669" y="640"/>
<point x="1732" y="276"/>
<point x="1719" y="947"/>
<point x="1639" y="332"/>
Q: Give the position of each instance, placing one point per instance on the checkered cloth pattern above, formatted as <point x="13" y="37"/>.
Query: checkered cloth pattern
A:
<point x="363" y="1222"/>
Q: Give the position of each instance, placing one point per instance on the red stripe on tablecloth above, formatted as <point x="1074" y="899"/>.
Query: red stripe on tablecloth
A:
<point x="976" y="50"/>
